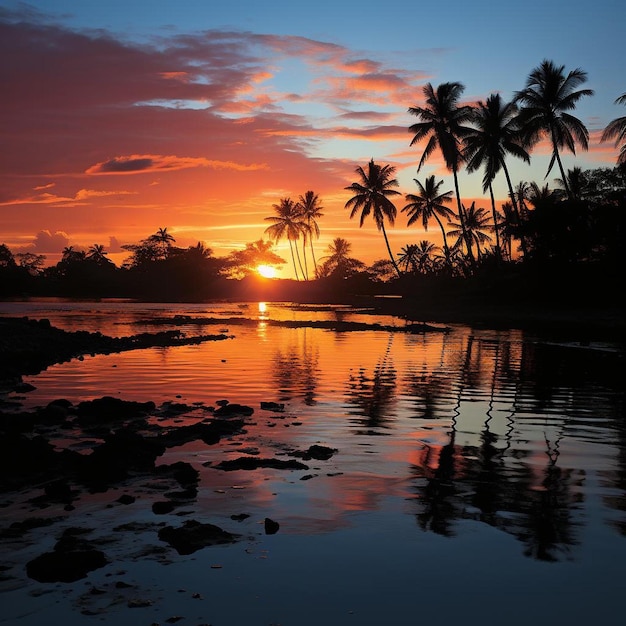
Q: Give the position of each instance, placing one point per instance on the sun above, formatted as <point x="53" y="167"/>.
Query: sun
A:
<point x="267" y="271"/>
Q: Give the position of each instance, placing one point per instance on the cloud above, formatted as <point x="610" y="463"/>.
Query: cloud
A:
<point x="137" y="164"/>
<point x="114" y="245"/>
<point x="79" y="199"/>
<point x="45" y="241"/>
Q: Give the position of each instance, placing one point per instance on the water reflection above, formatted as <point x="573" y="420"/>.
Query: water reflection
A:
<point x="374" y="395"/>
<point x="295" y="369"/>
<point x="512" y="431"/>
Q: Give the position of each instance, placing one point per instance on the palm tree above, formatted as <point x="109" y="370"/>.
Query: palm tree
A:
<point x="311" y="211"/>
<point x="407" y="258"/>
<point x="545" y="101"/>
<point x="339" y="261"/>
<point x="443" y="122"/>
<point x="97" y="253"/>
<point x="576" y="181"/>
<point x="164" y="241"/>
<point x="71" y="255"/>
<point x="371" y="195"/>
<point x="429" y="203"/>
<point x="476" y="223"/>
<point x="495" y="134"/>
<point x="287" y="223"/>
<point x="418" y="257"/>
<point x="541" y="197"/>
<point x="617" y="130"/>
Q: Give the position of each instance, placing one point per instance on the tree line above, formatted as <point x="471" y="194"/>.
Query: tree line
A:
<point x="580" y="220"/>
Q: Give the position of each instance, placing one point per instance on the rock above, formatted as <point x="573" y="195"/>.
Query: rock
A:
<point x="161" y="508"/>
<point x="194" y="535"/>
<point x="320" y="453"/>
<point x="271" y="527"/>
<point x="272" y="406"/>
<point x="109" y="409"/>
<point x="229" y="410"/>
<point x="252" y="463"/>
<point x="65" y="566"/>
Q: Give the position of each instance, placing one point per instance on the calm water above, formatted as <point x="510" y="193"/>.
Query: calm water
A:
<point x="480" y="474"/>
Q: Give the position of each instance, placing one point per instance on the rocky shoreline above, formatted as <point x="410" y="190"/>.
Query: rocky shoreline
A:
<point x="55" y="459"/>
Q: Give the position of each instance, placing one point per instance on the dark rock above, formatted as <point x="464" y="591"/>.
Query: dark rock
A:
<point x="271" y="527"/>
<point x="65" y="566"/>
<point x="59" y="490"/>
<point x="109" y="409"/>
<point x="163" y="507"/>
<point x="182" y="472"/>
<point x="230" y="410"/>
<point x="209" y="433"/>
<point x="193" y="536"/>
<point x="272" y="406"/>
<point x="320" y="453"/>
<point x="252" y="463"/>
<point x="126" y="498"/>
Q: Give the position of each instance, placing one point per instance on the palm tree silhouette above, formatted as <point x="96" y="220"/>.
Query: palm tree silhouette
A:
<point x="407" y="258"/>
<point x="443" y="122"/>
<point x="495" y="134"/>
<point x="476" y="223"/>
<point x="164" y="240"/>
<point x="576" y="181"/>
<point x="287" y="223"/>
<point x="429" y="204"/>
<point x="339" y="260"/>
<point x="617" y="130"/>
<point x="545" y="101"/>
<point x="418" y="257"/>
<point x="311" y="211"/>
<point x="371" y="195"/>
<point x="97" y="253"/>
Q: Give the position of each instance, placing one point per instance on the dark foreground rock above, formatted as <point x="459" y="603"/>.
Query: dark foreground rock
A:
<point x="65" y="567"/>
<point x="252" y="463"/>
<point x="194" y="535"/>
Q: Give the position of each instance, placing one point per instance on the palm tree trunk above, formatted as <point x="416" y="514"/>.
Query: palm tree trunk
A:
<point x="466" y="238"/>
<point x="306" y="267"/>
<point x="300" y="261"/>
<point x="495" y="223"/>
<point x="293" y="260"/>
<point x="313" y="256"/>
<point x="446" y="249"/>
<point x="557" y="156"/>
<point x="515" y="206"/>
<point x="393" y="261"/>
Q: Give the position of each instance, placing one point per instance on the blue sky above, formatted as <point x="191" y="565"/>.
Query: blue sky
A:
<point x="334" y="81"/>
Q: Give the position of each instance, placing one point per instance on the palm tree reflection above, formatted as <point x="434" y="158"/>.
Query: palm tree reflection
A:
<point x="373" y="396"/>
<point x="499" y="483"/>
<point x="296" y="372"/>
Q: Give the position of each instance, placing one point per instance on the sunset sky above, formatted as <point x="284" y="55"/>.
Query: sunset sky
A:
<point x="122" y="117"/>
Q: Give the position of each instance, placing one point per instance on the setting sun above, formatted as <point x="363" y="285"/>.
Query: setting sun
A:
<point x="267" y="271"/>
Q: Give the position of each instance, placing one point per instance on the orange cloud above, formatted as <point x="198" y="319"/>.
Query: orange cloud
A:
<point x="138" y="164"/>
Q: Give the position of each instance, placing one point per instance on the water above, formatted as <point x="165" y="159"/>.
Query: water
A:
<point x="479" y="474"/>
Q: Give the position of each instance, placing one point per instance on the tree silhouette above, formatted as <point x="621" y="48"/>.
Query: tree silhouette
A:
<point x="310" y="210"/>
<point x="443" y="123"/>
<point x="339" y="262"/>
<point x="616" y="129"/>
<point x="371" y="195"/>
<point x="544" y="104"/>
<point x="495" y="133"/>
<point x="287" y="223"/>
<point x="164" y="241"/>
<point x="429" y="203"/>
